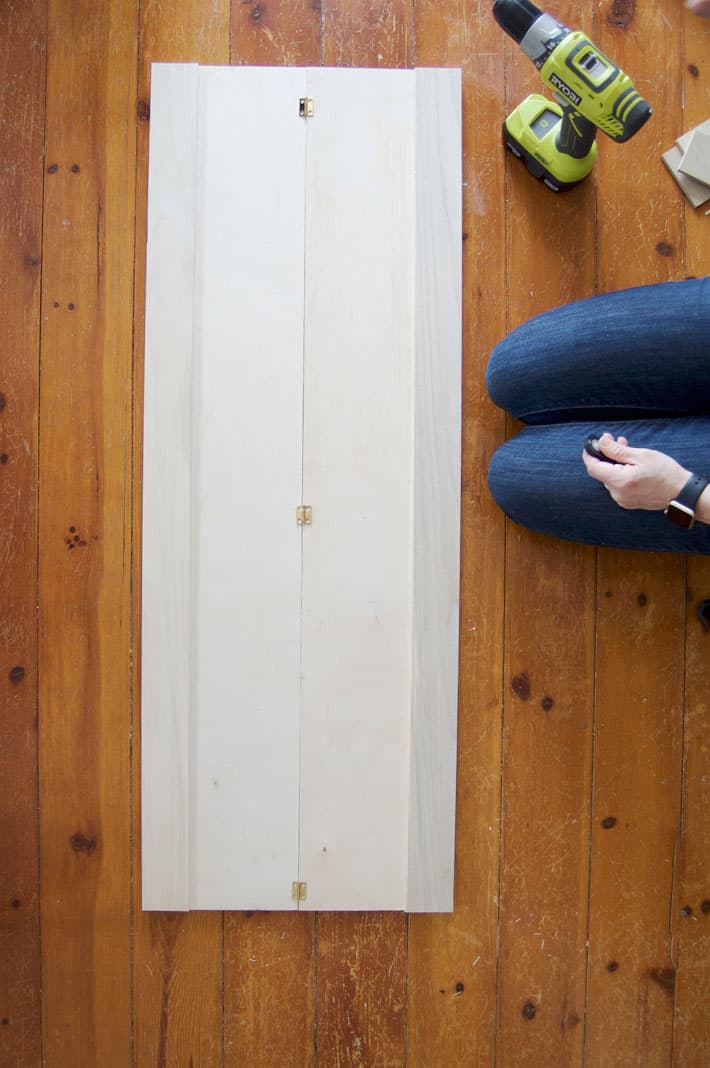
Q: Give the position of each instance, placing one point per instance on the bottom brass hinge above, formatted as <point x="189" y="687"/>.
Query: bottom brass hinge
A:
<point x="298" y="891"/>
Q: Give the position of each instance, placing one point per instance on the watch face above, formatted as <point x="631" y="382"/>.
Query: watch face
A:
<point x="681" y="515"/>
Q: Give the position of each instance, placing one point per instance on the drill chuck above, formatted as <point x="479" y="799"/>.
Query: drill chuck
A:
<point x="515" y="17"/>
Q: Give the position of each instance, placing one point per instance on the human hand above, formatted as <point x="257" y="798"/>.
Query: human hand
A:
<point x="640" y="478"/>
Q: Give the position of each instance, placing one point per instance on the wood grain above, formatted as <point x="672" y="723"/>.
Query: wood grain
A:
<point x="548" y="675"/>
<point x="85" y="512"/>
<point x="269" y="970"/>
<point x="638" y="734"/>
<point x="361" y="990"/>
<point x="351" y="950"/>
<point x="167" y="543"/>
<point x="279" y="33"/>
<point x="452" y="960"/>
<point x="546" y="788"/>
<point x="437" y="491"/>
<point x="284" y="31"/>
<point x="178" y="959"/>
<point x="690" y="915"/>
<point x="639" y="686"/>
<point x="22" y="59"/>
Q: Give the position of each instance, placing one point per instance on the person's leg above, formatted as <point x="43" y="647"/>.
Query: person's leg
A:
<point x="539" y="480"/>
<point x="634" y="353"/>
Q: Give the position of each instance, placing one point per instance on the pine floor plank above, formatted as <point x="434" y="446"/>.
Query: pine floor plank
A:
<point x="361" y="989"/>
<point x="690" y="918"/>
<point x="639" y="627"/>
<point x="178" y="958"/>
<point x="22" y="60"/>
<point x="690" y="921"/>
<point x="357" y="33"/>
<point x="269" y="968"/>
<point x="452" y="964"/>
<point x="282" y="33"/>
<point x="548" y="683"/>
<point x="636" y="807"/>
<point x="85" y="510"/>
<point x="546" y="789"/>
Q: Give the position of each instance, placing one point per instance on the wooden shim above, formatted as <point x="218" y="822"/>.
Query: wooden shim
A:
<point x="85" y="514"/>
<point x="636" y="806"/>
<point x="452" y="959"/>
<point x="178" y="962"/>
<point x="23" y="33"/>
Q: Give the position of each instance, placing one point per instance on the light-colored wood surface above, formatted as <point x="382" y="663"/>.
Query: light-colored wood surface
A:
<point x="327" y="989"/>
<point x="437" y="494"/>
<point x="286" y="729"/>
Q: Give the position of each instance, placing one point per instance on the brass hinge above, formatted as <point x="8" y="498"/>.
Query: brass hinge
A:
<point x="305" y="107"/>
<point x="298" y="891"/>
<point x="304" y="515"/>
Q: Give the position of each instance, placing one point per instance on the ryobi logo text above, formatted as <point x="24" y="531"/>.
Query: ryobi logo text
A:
<point x="565" y="89"/>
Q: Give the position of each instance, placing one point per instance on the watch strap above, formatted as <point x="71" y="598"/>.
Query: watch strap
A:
<point x="681" y="510"/>
<point x="691" y="491"/>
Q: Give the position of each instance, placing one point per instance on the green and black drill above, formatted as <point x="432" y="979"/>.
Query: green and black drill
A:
<point x="556" y="139"/>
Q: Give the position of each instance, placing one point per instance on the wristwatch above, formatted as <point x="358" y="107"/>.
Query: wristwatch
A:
<point x="681" y="509"/>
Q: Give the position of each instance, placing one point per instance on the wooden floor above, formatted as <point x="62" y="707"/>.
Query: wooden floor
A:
<point x="581" y="934"/>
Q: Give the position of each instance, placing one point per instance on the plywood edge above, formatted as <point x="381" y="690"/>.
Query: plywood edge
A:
<point x="167" y="489"/>
<point x="437" y="490"/>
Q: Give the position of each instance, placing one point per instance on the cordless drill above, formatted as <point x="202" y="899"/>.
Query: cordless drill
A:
<point x="556" y="139"/>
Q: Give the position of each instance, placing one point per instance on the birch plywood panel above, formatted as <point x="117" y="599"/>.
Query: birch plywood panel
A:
<point x="247" y="470"/>
<point x="437" y="492"/>
<point x="329" y="233"/>
<point x="167" y="484"/>
<point x="358" y="476"/>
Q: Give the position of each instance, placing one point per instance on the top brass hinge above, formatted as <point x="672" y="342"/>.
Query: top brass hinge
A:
<point x="299" y="891"/>
<point x="305" y="107"/>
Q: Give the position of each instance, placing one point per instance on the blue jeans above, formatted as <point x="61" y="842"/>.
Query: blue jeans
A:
<point x="635" y="362"/>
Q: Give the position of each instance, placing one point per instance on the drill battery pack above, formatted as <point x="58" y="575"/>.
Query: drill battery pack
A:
<point x="531" y="133"/>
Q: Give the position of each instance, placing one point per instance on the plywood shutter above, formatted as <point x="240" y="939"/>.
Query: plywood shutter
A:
<point x="302" y="351"/>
